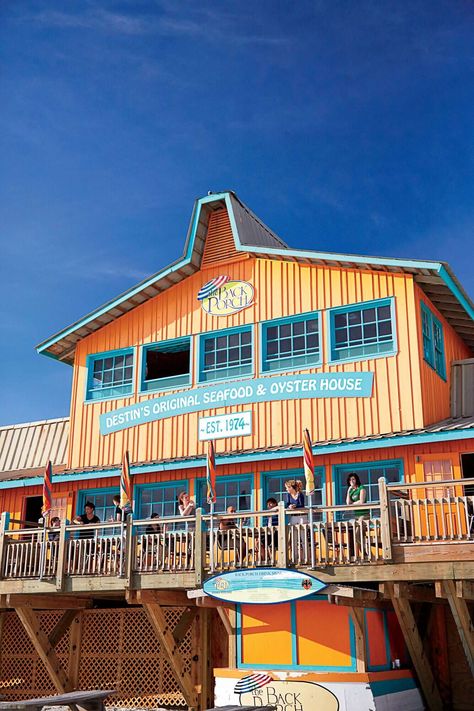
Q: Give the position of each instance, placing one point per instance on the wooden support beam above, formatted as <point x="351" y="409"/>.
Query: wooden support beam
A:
<point x="414" y="643"/>
<point x="45" y="602"/>
<point x="359" y="604"/>
<point x="170" y="598"/>
<point x="43" y="648"/>
<point x="61" y="627"/>
<point x="184" y="623"/>
<point x="465" y="589"/>
<point x="414" y="593"/>
<point x="157" y="618"/>
<point x="361" y="652"/>
<point x="463" y="620"/>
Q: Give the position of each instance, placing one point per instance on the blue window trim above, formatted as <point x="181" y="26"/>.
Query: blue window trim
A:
<point x="379" y="667"/>
<point x="344" y="469"/>
<point x="224" y="332"/>
<point x="429" y="351"/>
<point x="229" y="478"/>
<point x="138" y="490"/>
<point x="92" y="357"/>
<point x="352" y="667"/>
<point x="84" y="494"/>
<point x="361" y="306"/>
<point x="264" y="325"/>
<point x="165" y="382"/>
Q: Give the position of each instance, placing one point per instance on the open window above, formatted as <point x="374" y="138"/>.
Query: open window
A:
<point x="166" y="365"/>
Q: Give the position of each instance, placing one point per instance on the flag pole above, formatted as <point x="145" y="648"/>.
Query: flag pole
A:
<point x="309" y="474"/>
<point x="211" y="539"/>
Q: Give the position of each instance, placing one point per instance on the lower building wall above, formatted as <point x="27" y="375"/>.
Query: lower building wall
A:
<point x="292" y="691"/>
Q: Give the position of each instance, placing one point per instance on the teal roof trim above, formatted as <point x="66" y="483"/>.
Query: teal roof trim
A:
<point x="456" y="289"/>
<point x="247" y="457"/>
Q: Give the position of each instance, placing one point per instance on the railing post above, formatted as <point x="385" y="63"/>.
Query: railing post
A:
<point x="129" y="553"/>
<point x="385" y="520"/>
<point x="282" y="537"/>
<point x="199" y="548"/>
<point x="4" y="526"/>
<point x="62" y="554"/>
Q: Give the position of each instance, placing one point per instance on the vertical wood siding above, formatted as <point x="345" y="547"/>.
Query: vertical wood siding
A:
<point x="220" y="245"/>
<point x="282" y="289"/>
<point x="436" y="392"/>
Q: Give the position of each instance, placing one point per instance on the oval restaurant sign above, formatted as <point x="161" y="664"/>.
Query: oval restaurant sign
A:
<point x="222" y="297"/>
<point x="264" y="586"/>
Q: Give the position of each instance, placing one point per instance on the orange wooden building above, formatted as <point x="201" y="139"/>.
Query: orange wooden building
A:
<point x="247" y="342"/>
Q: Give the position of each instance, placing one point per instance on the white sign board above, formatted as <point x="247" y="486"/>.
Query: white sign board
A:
<point x="238" y="424"/>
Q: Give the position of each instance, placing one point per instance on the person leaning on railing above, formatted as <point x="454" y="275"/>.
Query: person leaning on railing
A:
<point x="356" y="495"/>
<point x="86" y="518"/>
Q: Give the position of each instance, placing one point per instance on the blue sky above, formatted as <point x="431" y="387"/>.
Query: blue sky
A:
<point x="346" y="126"/>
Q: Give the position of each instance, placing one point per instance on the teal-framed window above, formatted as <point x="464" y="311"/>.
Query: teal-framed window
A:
<point x="273" y="485"/>
<point x="166" y="365"/>
<point x="110" y="375"/>
<point x="433" y="341"/>
<point x="160" y="498"/>
<point x="363" y="330"/>
<point x="225" y="354"/>
<point x="291" y="343"/>
<point x="236" y="491"/>
<point x="351" y="667"/>
<point x="102" y="499"/>
<point x="369" y="474"/>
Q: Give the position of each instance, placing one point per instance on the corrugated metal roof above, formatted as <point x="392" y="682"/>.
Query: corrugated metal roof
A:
<point x="252" y="236"/>
<point x="26" y="448"/>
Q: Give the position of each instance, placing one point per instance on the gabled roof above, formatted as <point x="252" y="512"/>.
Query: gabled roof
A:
<point x="252" y="236"/>
<point x="25" y="449"/>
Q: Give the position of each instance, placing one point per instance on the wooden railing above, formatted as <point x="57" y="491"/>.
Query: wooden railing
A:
<point x="405" y="515"/>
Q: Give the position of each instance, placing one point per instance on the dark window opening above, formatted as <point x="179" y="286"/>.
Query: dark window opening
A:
<point x="165" y="365"/>
<point x="467" y="466"/>
<point x="33" y="506"/>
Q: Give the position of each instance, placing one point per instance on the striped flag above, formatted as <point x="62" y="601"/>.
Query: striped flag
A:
<point x="125" y="485"/>
<point x="211" y="286"/>
<point x="308" y="462"/>
<point x="211" y="473"/>
<point x="252" y="682"/>
<point x="47" y="496"/>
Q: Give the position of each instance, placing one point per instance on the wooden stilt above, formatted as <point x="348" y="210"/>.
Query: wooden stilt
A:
<point x="228" y="620"/>
<point x="204" y="661"/>
<point x="462" y="618"/>
<point x="75" y="639"/>
<point x="357" y="615"/>
<point x="414" y="643"/>
<point x="43" y="648"/>
<point x="157" y="618"/>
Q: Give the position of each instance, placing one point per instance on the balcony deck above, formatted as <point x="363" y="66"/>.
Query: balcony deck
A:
<point x="406" y="536"/>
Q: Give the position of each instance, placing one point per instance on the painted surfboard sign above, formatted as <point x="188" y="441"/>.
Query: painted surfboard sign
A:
<point x="263" y="586"/>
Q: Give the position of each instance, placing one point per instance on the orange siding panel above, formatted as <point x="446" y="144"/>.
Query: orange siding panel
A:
<point x="325" y="645"/>
<point x="266" y="634"/>
<point x="436" y="391"/>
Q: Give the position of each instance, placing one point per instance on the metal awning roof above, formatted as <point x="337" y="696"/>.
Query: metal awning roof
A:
<point x="25" y="449"/>
<point x="252" y="236"/>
